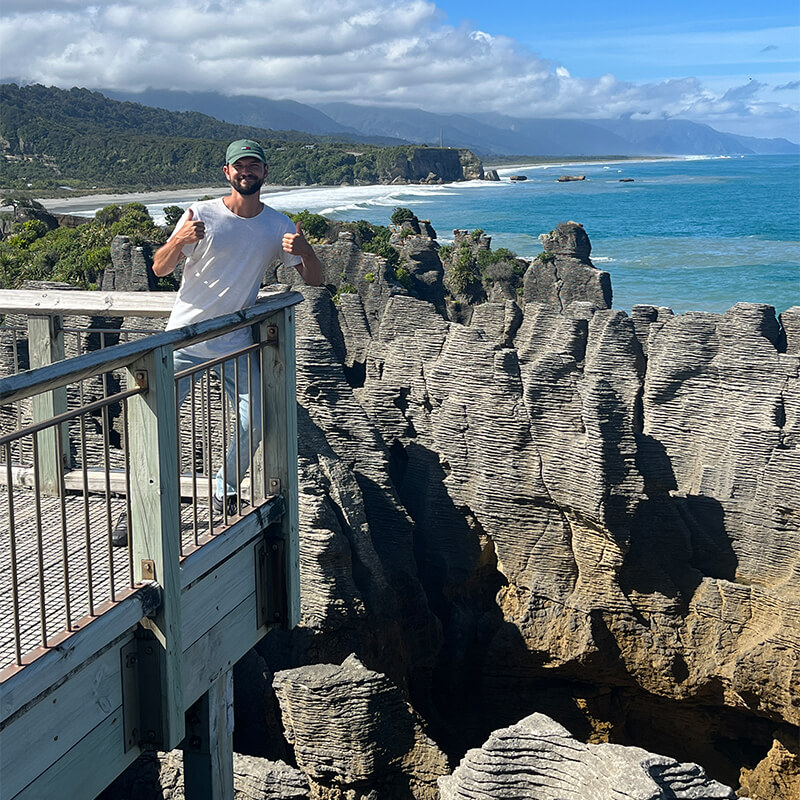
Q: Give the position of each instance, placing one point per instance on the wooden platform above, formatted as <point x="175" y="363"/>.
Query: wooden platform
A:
<point x="82" y="561"/>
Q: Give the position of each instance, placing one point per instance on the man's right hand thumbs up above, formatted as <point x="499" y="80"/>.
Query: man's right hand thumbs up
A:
<point x="193" y="230"/>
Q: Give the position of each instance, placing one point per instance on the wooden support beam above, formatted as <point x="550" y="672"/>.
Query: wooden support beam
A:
<point x="208" y="747"/>
<point x="279" y="443"/>
<point x="45" y="347"/>
<point x="154" y="527"/>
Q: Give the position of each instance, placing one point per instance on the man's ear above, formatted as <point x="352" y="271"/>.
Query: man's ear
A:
<point x="226" y="170"/>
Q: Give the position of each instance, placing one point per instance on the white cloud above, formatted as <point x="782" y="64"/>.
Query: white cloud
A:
<point x="350" y="50"/>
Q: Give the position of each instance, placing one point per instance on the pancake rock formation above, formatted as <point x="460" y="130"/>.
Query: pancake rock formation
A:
<point x="538" y="759"/>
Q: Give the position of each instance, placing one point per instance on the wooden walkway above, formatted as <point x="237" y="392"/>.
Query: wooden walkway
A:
<point x="87" y="561"/>
<point x="141" y="640"/>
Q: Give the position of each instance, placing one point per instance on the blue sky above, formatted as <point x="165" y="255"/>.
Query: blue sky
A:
<point x="732" y="65"/>
<point x="713" y="41"/>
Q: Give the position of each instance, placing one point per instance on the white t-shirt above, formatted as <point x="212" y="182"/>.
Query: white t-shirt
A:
<point x="224" y="270"/>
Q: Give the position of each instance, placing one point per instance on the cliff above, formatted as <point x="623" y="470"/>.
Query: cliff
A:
<point x="543" y="506"/>
<point x="574" y="510"/>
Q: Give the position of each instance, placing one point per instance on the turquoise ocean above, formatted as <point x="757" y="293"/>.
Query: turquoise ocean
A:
<point x="696" y="233"/>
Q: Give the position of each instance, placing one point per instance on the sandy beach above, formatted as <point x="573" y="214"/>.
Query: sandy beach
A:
<point x="87" y="205"/>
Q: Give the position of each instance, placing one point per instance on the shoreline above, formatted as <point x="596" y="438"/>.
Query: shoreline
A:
<point x="90" y="201"/>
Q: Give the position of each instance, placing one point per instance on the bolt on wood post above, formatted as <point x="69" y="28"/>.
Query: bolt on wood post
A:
<point x="154" y="526"/>
<point x="279" y="440"/>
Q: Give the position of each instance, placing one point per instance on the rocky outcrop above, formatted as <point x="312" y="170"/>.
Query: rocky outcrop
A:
<point x="160" y="775"/>
<point x="600" y="514"/>
<point x="428" y="165"/>
<point x="538" y="759"/>
<point x="354" y="734"/>
<point x="564" y="273"/>
<point x="543" y="506"/>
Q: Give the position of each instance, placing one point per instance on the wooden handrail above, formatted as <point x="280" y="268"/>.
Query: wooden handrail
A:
<point x="53" y="376"/>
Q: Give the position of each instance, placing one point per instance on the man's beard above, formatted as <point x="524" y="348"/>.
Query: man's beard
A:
<point x="246" y="188"/>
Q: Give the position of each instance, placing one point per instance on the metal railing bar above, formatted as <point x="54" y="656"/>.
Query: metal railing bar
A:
<point x="86" y="524"/>
<point x="68" y="416"/>
<point x="224" y="447"/>
<point x="128" y="516"/>
<point x="238" y="435"/>
<point x="39" y="540"/>
<point x="250" y="460"/>
<point x="62" y="505"/>
<point x="264" y="476"/>
<point x="14" y="577"/>
<point x="208" y="459"/>
<point x="109" y="528"/>
<point x="192" y="400"/>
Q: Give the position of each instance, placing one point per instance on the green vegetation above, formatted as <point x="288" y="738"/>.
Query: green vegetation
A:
<point x="369" y="277"/>
<point x="464" y="271"/>
<point x="404" y="278"/>
<point x="315" y="226"/>
<point x="59" y="142"/>
<point x="73" y="255"/>
<point x="172" y="214"/>
<point x="345" y="288"/>
<point x="401" y="215"/>
<point x="546" y="257"/>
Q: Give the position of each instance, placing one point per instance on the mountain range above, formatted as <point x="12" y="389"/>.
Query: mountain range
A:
<point x="486" y="134"/>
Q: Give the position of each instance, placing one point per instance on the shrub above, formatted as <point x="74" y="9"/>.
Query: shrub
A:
<point x="172" y="214"/>
<point x="401" y="215"/>
<point x="445" y="252"/>
<point x="476" y="234"/>
<point x="499" y="271"/>
<point x="315" y="226"/>
<point x="369" y="277"/>
<point x="345" y="288"/>
<point x="404" y="278"/>
<point x="546" y="257"/>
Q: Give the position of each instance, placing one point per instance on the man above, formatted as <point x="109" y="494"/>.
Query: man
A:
<point x="228" y="244"/>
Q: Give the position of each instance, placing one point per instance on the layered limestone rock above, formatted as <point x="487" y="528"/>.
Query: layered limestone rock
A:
<point x="592" y="498"/>
<point x="538" y="759"/>
<point x="159" y="776"/>
<point x="547" y="506"/>
<point x="564" y="273"/>
<point x="354" y="735"/>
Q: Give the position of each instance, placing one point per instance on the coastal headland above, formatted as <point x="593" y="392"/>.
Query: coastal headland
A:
<point x="581" y="520"/>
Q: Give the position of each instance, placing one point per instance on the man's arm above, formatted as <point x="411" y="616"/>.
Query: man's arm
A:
<point x="311" y="270"/>
<point x="168" y="256"/>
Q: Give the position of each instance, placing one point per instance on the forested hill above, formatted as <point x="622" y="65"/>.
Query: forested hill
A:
<point x="78" y="138"/>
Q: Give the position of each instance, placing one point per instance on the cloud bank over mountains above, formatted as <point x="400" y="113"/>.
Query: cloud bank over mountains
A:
<point x="391" y="53"/>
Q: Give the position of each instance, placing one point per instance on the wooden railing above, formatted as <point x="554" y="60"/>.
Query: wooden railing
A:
<point x="49" y="408"/>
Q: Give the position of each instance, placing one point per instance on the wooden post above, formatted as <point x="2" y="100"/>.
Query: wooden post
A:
<point x="46" y="346"/>
<point x="154" y="526"/>
<point x="208" y="747"/>
<point x="279" y="440"/>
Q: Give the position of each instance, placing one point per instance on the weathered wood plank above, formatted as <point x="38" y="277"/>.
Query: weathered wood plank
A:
<point x="154" y="527"/>
<point x="46" y="346"/>
<point x="57" y="722"/>
<point x="110" y="304"/>
<point x="280" y="445"/>
<point x="24" y="384"/>
<point x="208" y="753"/>
<point x="96" y="481"/>
<point x="51" y="668"/>
<point x="215" y="653"/>
<point x="208" y="600"/>
<point x="69" y="776"/>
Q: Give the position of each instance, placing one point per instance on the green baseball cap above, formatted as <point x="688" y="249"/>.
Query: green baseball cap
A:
<point x="244" y="148"/>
